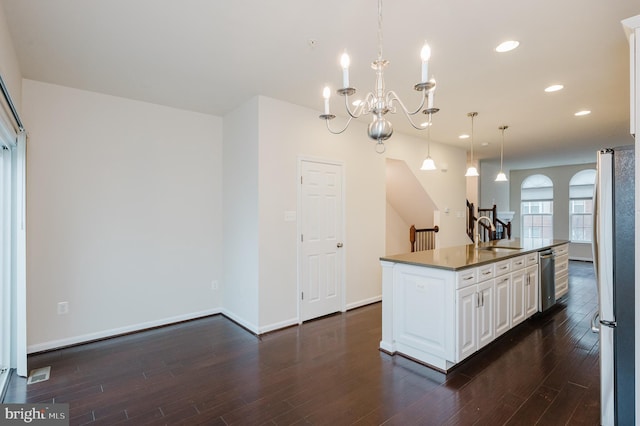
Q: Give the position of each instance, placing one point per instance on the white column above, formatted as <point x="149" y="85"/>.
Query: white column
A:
<point x="387" y="343"/>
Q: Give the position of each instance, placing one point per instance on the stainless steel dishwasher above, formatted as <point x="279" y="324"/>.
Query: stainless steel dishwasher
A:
<point x="547" y="279"/>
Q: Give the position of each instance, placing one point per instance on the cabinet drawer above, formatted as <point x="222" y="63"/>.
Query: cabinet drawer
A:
<point x="503" y="267"/>
<point x="562" y="286"/>
<point x="518" y="263"/>
<point x="465" y="278"/>
<point x="561" y="250"/>
<point x="485" y="272"/>
<point x="562" y="266"/>
<point x="531" y="258"/>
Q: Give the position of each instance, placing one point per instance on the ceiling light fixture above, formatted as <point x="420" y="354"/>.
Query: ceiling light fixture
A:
<point x="381" y="101"/>
<point x="428" y="163"/>
<point x="507" y="46"/>
<point x="581" y="113"/>
<point x="472" y="171"/>
<point x="554" y="88"/>
<point x="501" y="176"/>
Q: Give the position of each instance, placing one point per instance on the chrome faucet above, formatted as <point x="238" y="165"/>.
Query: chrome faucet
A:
<point x="493" y="228"/>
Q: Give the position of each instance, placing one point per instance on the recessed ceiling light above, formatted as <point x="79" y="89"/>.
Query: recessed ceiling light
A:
<point x="583" y="112"/>
<point x="464" y="136"/>
<point x="554" y="88"/>
<point x="506" y="46"/>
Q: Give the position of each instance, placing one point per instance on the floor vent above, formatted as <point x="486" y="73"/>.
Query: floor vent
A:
<point x="39" y="375"/>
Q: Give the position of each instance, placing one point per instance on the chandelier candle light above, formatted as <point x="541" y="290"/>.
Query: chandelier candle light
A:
<point x="379" y="102"/>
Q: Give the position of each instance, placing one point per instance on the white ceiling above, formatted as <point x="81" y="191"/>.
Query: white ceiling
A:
<point x="213" y="55"/>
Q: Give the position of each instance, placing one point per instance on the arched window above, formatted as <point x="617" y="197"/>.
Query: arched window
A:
<point x="581" y="206"/>
<point x="536" y="210"/>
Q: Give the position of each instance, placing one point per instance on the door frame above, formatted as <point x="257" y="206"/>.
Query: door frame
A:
<point x="343" y="288"/>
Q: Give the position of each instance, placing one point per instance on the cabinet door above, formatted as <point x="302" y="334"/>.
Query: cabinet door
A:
<point x="562" y="275"/>
<point x="502" y="304"/>
<point x="466" y="307"/>
<point x="532" y="287"/>
<point x="423" y="311"/>
<point x="517" y="298"/>
<point x="486" y="329"/>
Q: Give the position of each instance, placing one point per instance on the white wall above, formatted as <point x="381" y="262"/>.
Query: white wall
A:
<point x="287" y="133"/>
<point x="135" y="208"/>
<point x="491" y="191"/>
<point x="9" y="67"/>
<point x="240" y="206"/>
<point x="124" y="213"/>
<point x="561" y="176"/>
<point x="397" y="233"/>
<point x="447" y="188"/>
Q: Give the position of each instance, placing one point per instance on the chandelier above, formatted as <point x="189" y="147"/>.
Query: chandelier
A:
<point x="380" y="101"/>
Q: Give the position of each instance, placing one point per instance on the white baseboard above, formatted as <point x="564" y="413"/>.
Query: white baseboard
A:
<point x="249" y="326"/>
<point x="279" y="325"/>
<point x="364" y="302"/>
<point x="75" y="340"/>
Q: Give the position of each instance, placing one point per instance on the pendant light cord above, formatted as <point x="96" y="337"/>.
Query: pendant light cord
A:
<point x="429" y="138"/>
<point x="502" y="147"/>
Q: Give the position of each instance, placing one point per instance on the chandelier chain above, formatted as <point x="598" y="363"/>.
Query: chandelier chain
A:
<point x="379" y="30"/>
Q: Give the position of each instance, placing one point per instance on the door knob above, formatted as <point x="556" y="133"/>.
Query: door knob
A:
<point x="339" y="245"/>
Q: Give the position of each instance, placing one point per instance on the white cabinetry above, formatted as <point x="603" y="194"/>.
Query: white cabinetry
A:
<point x="440" y="316"/>
<point x="562" y="270"/>
<point x="492" y="306"/>
<point x="486" y="328"/>
<point x="475" y="317"/>
<point x="423" y="303"/>
<point x="532" y="289"/>
<point x="524" y="289"/>
<point x="502" y="304"/>
<point x="517" y="298"/>
<point x="467" y="321"/>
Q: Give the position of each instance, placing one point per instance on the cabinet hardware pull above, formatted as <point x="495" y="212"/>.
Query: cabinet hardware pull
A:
<point x="486" y="273"/>
<point x="467" y="278"/>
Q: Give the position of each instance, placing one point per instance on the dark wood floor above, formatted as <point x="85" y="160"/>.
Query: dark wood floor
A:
<point x="329" y="371"/>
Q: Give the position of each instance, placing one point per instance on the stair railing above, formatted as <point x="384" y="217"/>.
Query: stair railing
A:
<point x="423" y="239"/>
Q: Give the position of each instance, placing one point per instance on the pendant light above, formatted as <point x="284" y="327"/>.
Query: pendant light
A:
<point x="472" y="171"/>
<point x="501" y="176"/>
<point x="428" y="163"/>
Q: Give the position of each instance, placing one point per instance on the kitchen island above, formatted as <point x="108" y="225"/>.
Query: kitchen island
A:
<point x="441" y="306"/>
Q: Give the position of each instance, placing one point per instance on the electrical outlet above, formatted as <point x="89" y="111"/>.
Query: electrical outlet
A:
<point x="63" y="308"/>
<point x="214" y="285"/>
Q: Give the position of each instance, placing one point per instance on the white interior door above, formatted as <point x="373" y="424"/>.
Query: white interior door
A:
<point x="321" y="233"/>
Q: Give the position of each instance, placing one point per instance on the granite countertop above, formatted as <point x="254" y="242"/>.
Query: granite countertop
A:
<point x="462" y="257"/>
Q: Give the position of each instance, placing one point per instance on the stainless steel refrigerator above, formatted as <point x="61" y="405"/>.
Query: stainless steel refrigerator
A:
<point x="614" y="254"/>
